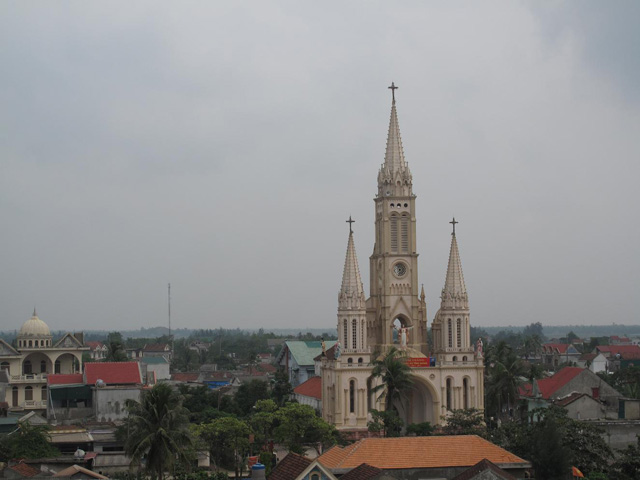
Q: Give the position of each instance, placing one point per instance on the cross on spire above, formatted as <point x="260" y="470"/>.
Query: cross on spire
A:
<point x="350" y="222"/>
<point x="453" y="222"/>
<point x="393" y="89"/>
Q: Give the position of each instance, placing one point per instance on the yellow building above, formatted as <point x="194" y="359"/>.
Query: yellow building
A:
<point x="34" y="357"/>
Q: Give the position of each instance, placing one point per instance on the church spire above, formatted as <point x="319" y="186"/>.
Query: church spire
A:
<point x="395" y="168"/>
<point x="454" y="293"/>
<point x="352" y="292"/>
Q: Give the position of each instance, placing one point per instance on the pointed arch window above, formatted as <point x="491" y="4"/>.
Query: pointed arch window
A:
<point x="354" y="333"/>
<point x="459" y="333"/>
<point x="404" y="233"/>
<point x="450" y="332"/>
<point x="394" y="233"/>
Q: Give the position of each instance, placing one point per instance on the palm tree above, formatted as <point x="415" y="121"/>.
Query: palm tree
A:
<point x="395" y="376"/>
<point x="157" y="429"/>
<point x="505" y="372"/>
<point x="115" y="348"/>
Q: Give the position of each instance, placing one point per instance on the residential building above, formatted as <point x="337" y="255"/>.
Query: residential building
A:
<point x="309" y="393"/>
<point x="297" y="359"/>
<point x="556" y="354"/>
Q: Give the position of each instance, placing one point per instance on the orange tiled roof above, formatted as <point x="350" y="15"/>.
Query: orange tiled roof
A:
<point x="418" y="452"/>
<point x="310" y="388"/>
<point x="24" y="470"/>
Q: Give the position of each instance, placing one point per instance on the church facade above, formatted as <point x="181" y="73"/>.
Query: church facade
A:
<point x="446" y="376"/>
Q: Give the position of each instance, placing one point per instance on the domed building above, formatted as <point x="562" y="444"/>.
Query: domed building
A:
<point x="35" y="356"/>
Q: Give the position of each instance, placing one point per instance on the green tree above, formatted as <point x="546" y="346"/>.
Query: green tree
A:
<point x="465" y="422"/>
<point x="534" y="329"/>
<point x="389" y="423"/>
<point x="282" y="389"/>
<point x="249" y="393"/>
<point x="300" y="426"/>
<point x="504" y="375"/>
<point x="156" y="430"/>
<point x="424" y="429"/>
<point x="627" y="466"/>
<point x="395" y="378"/>
<point x="263" y="420"/>
<point x="115" y="348"/>
<point x="228" y="441"/>
<point x="28" y="441"/>
<point x="549" y="456"/>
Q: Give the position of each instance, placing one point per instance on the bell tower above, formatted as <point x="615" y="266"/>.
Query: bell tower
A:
<point x="394" y="305"/>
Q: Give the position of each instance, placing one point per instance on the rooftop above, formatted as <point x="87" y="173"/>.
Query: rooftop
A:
<point x="310" y="388"/>
<point x="548" y="386"/>
<point x="113" y="373"/>
<point x="290" y="467"/>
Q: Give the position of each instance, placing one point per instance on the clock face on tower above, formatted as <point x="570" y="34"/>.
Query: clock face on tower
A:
<point x="399" y="269"/>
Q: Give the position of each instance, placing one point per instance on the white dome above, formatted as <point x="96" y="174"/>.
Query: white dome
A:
<point x="34" y="327"/>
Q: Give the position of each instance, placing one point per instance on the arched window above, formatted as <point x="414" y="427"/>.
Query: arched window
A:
<point x="57" y="366"/>
<point x="465" y="393"/>
<point x="464" y="359"/>
<point x="404" y="233"/>
<point x="349" y="361"/>
<point x="450" y="332"/>
<point x="352" y="396"/>
<point x="26" y="367"/>
<point x="315" y="476"/>
<point x="394" y="233"/>
<point x="43" y="366"/>
<point x="43" y="394"/>
<point x="449" y="394"/>
<point x="28" y="393"/>
<point x="459" y="332"/>
<point x="31" y="343"/>
<point x="354" y="333"/>
<point x="455" y="359"/>
<point x="360" y="362"/>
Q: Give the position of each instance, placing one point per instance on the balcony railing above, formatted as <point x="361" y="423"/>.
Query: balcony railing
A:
<point x="29" y="378"/>
<point x="34" y="404"/>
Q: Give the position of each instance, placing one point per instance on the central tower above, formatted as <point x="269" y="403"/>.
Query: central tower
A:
<point x="395" y="313"/>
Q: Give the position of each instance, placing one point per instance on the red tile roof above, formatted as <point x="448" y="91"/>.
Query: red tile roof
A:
<point x="93" y="345"/>
<point x="156" y="347"/>
<point x="628" y="352"/>
<point x="185" y="377"/>
<point x="418" y="452"/>
<point x="25" y="470"/>
<point x="113" y="373"/>
<point x="310" y="388"/>
<point x="65" y="379"/>
<point x="525" y="390"/>
<point x="363" y="472"/>
<point x="548" y="386"/>
<point x="266" y="367"/>
<point x="289" y="467"/>
<point x="560" y="347"/>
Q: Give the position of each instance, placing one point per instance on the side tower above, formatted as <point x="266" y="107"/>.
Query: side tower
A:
<point x="345" y="366"/>
<point x="394" y="305"/>
<point x="453" y="347"/>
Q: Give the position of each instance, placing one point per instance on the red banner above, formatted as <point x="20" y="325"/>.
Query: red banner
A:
<point x="417" y="362"/>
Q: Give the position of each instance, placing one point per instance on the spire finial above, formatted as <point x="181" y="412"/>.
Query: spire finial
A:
<point x="350" y="222"/>
<point x="453" y="222"/>
<point x="34" y="311"/>
<point x="393" y="89"/>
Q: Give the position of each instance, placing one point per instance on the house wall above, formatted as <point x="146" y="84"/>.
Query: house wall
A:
<point x="109" y="402"/>
<point x="619" y="434"/>
<point x="584" y="383"/>
<point x="161" y="370"/>
<point x="312" y="402"/>
<point x="585" y="408"/>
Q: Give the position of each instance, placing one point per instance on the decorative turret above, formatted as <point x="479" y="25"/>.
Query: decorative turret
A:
<point x="394" y="177"/>
<point x="351" y="296"/>
<point x="454" y="294"/>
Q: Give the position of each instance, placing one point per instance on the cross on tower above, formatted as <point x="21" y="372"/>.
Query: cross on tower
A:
<point x="393" y="89"/>
<point x="453" y="222"/>
<point x="350" y="222"/>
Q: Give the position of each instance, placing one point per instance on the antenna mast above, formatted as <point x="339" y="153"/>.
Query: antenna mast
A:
<point x="169" y="305"/>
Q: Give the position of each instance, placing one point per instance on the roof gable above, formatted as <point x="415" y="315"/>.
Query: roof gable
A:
<point x="304" y="352"/>
<point x="68" y="341"/>
<point x="290" y="467"/>
<point x="7" y="350"/>
<point x="481" y="467"/>
<point x="113" y="373"/>
<point x="363" y="472"/>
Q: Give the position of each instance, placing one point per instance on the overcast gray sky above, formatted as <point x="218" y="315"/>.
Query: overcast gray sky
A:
<point x="221" y="146"/>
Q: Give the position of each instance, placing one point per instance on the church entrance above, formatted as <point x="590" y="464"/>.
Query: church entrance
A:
<point x="418" y="406"/>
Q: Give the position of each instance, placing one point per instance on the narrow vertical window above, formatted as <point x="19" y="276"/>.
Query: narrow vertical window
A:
<point x="450" y="332"/>
<point x="449" y="393"/>
<point x="28" y="393"/>
<point x="354" y="333"/>
<point x="352" y="396"/>
<point x="404" y="234"/>
<point x="394" y="233"/>
<point x="465" y="393"/>
<point x="459" y="332"/>
<point x="346" y="335"/>
<point x="43" y="394"/>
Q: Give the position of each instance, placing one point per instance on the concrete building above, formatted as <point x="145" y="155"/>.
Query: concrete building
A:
<point x="395" y="315"/>
<point x="36" y="356"/>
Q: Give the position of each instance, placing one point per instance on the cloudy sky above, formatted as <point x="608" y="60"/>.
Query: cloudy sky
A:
<point x="220" y="146"/>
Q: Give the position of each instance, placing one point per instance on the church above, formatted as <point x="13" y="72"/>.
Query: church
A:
<point x="447" y="375"/>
